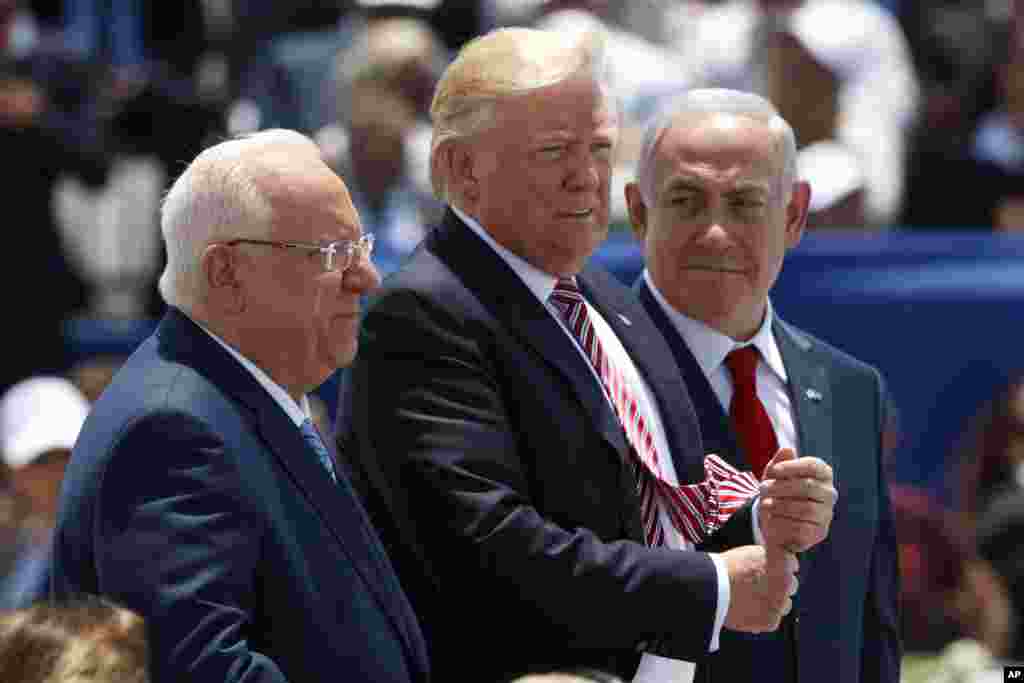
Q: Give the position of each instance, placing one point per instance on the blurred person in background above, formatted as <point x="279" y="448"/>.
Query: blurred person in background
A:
<point x="89" y="640"/>
<point x="997" y="146"/>
<point x="989" y="458"/>
<point x="956" y="615"/>
<point x="40" y="419"/>
<point x="957" y="47"/>
<point x="839" y="188"/>
<point x="999" y="535"/>
<point x="381" y="137"/>
<point x="47" y="125"/>
<point x="835" y="69"/>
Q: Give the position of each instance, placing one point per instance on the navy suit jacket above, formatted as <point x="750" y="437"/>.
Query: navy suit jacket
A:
<point x="192" y="498"/>
<point x="843" y="627"/>
<point x="497" y="471"/>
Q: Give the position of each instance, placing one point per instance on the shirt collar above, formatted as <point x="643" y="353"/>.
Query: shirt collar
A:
<point x="535" y="279"/>
<point x="297" y="412"/>
<point x="710" y="347"/>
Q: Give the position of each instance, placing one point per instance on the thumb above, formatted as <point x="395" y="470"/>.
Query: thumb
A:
<point x="778" y="558"/>
<point x="781" y="455"/>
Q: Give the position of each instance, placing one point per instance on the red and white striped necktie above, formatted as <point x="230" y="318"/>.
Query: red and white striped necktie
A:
<point x="695" y="510"/>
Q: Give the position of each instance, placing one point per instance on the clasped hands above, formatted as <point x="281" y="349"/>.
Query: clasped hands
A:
<point x="797" y="499"/>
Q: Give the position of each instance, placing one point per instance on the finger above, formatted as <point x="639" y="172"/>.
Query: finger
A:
<point x="815" y="468"/>
<point x="803" y="488"/>
<point x="799" y="509"/>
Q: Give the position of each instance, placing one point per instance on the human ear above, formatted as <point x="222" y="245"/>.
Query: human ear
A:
<point x="219" y="271"/>
<point x="637" y="211"/>
<point x="796" y="213"/>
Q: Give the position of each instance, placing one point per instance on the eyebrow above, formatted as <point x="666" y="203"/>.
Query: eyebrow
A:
<point x="691" y="185"/>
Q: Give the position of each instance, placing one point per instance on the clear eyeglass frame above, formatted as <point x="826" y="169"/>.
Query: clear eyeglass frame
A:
<point x="335" y="256"/>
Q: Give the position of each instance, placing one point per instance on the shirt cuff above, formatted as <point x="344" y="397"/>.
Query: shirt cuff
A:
<point x="722" y="606"/>
<point x="758" y="536"/>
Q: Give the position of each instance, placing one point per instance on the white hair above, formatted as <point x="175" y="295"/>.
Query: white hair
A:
<point x="215" y="199"/>
<point x="503" y="63"/>
<point x="695" y="103"/>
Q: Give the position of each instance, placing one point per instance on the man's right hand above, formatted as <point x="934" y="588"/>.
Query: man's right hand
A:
<point x="761" y="583"/>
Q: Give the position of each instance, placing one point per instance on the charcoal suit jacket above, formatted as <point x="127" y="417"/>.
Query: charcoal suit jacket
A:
<point x="844" y="625"/>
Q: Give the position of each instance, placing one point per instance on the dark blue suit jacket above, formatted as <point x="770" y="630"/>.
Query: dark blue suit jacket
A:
<point x="498" y="472"/>
<point x="192" y="498"/>
<point x="843" y="627"/>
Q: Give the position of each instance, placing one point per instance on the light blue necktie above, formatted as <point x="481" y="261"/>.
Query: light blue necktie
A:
<point x="312" y="437"/>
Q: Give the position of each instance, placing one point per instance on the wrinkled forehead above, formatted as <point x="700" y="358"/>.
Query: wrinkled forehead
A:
<point x="719" y="146"/>
<point x="309" y="202"/>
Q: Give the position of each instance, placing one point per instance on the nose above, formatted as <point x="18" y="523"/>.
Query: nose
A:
<point x="362" y="276"/>
<point x="584" y="172"/>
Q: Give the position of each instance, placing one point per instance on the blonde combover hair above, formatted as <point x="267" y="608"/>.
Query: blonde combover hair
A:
<point x="503" y="63"/>
<point x="216" y="198"/>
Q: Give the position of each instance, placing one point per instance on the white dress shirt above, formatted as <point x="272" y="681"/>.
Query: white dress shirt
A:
<point x="296" y="412"/>
<point x="653" y="668"/>
<point x="710" y="347"/>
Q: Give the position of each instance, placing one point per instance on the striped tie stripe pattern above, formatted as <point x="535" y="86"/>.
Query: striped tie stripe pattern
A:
<point x="694" y="510"/>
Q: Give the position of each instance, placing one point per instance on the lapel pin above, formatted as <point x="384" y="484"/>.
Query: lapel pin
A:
<point x="625" y="321"/>
<point x="813" y="394"/>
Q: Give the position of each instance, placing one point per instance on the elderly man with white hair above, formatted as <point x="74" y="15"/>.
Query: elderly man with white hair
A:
<point x="200" y="494"/>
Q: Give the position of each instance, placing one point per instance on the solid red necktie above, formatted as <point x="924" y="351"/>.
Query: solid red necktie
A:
<point x="749" y="418"/>
<point x="695" y="510"/>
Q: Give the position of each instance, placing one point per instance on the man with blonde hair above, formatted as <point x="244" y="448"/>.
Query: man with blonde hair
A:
<point x="200" y="494"/>
<point x="521" y="432"/>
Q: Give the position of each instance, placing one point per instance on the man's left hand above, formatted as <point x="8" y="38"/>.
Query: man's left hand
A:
<point x="797" y="501"/>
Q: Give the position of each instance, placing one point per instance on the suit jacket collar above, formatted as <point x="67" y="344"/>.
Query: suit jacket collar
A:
<point x="715" y="428"/>
<point x="511" y="302"/>
<point x="807" y="381"/>
<point x="810" y="391"/>
<point x="183" y="341"/>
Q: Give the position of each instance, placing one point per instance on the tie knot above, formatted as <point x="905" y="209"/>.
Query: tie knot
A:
<point x="742" y="363"/>
<point x="567" y="287"/>
<point x="566" y="294"/>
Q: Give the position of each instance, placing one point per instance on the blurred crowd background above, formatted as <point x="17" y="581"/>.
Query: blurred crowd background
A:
<point x="910" y="123"/>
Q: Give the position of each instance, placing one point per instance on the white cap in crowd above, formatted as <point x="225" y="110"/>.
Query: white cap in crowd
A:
<point x="833" y="171"/>
<point x="38" y="415"/>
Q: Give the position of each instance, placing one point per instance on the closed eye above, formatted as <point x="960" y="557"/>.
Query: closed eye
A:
<point x="551" y="152"/>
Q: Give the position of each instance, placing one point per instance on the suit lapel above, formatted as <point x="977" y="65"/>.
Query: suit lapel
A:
<point x="511" y="302"/>
<point x="336" y="504"/>
<point x="812" y="408"/>
<point x="715" y="428"/>
<point x="809" y="392"/>
<point x="653" y="358"/>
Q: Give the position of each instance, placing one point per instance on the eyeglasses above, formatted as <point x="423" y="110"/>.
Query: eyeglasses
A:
<point x="335" y="256"/>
